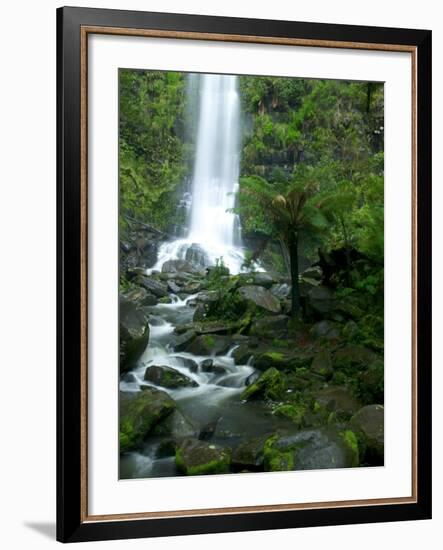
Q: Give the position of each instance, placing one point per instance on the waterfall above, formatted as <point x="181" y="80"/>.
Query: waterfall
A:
<point x="214" y="230"/>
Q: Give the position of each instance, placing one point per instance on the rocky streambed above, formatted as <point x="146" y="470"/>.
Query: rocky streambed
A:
<point x="216" y="377"/>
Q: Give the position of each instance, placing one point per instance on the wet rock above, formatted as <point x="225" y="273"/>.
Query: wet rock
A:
<point x="338" y="400"/>
<point x="249" y="454"/>
<point x="209" y="344"/>
<point x="140" y="413"/>
<point x="196" y="256"/>
<point x="368" y="422"/>
<point x="270" y="327"/>
<point x="173" y="287"/>
<point x="195" y="457"/>
<point x="182" y="341"/>
<point x="270" y="385"/>
<point x="129" y="378"/>
<point x="134" y="334"/>
<point x="243" y="353"/>
<point x="141" y="297"/>
<point x="322" y="364"/>
<point x="325" y="329"/>
<point x="311" y="449"/>
<point x="188" y="363"/>
<point x="281" y="291"/>
<point x="177" y="426"/>
<point x="260" y="297"/>
<point x="175" y="266"/>
<point x="167" y="377"/>
<point x="157" y="288"/>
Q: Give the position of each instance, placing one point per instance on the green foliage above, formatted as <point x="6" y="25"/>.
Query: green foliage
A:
<point x="152" y="152"/>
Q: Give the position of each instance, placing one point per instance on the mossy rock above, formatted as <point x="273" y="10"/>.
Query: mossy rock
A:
<point x="167" y="377"/>
<point x="311" y="449"/>
<point x="209" y="344"/>
<point x="294" y="412"/>
<point x="140" y="413"/>
<point x="270" y="385"/>
<point x="194" y="457"/>
<point x="282" y="360"/>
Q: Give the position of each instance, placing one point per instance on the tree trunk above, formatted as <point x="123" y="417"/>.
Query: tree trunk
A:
<point x="295" y="294"/>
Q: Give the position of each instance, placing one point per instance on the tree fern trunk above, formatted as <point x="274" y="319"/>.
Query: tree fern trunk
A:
<point x="295" y="294"/>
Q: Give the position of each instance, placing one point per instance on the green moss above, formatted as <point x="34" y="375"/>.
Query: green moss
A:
<point x="271" y="385"/>
<point x="316" y="407"/>
<point x="276" y="460"/>
<point x="351" y="442"/>
<point x="274" y="356"/>
<point x="208" y="341"/>
<point x="219" y="465"/>
<point x="295" y="413"/>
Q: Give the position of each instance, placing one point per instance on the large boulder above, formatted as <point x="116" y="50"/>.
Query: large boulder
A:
<point x="368" y="423"/>
<point x="177" y="266"/>
<point x="311" y="449"/>
<point x="140" y="413"/>
<point x="195" y="457"/>
<point x="176" y="425"/>
<point x="260" y="297"/>
<point x="167" y="377"/>
<point x="270" y="385"/>
<point x="134" y="333"/>
<point x="271" y="326"/>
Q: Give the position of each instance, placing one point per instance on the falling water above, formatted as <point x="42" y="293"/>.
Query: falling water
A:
<point x="214" y="228"/>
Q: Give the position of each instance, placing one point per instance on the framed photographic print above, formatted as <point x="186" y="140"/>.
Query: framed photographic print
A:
<point x="244" y="271"/>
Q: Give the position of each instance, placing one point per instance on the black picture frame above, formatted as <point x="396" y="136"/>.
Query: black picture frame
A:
<point x="72" y="526"/>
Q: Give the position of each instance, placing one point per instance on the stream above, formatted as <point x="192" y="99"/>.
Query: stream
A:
<point x="216" y="399"/>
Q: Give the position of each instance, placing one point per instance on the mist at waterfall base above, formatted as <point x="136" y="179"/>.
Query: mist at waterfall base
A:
<point x="216" y="231"/>
<point x="213" y="228"/>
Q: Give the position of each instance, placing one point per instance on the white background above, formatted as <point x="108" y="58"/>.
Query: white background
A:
<point x="27" y="215"/>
